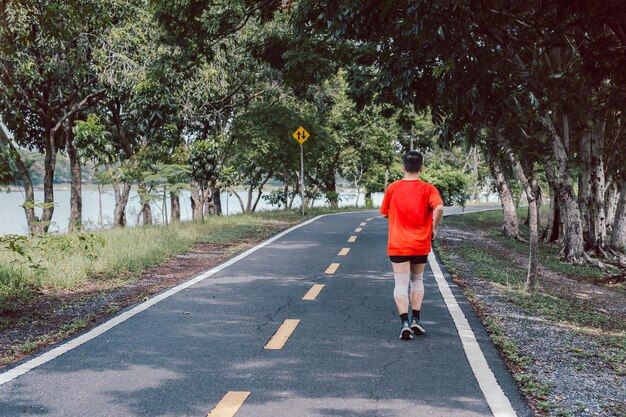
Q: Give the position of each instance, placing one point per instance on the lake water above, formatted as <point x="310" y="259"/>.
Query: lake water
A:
<point x="13" y="220"/>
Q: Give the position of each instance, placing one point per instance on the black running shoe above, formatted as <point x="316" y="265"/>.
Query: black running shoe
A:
<point x="405" y="332"/>
<point x="416" y="326"/>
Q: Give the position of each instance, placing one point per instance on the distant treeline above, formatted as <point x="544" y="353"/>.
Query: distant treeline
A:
<point x="62" y="173"/>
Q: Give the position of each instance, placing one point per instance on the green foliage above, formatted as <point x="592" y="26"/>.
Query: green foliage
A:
<point x="453" y="185"/>
<point x="16" y="244"/>
<point x="232" y="83"/>
<point x="46" y="51"/>
<point x="31" y="251"/>
<point x="277" y="198"/>
<point x="8" y="170"/>
<point x="379" y="177"/>
<point x="91" y="140"/>
<point x="43" y="205"/>
<point x="203" y="160"/>
<point x="171" y="176"/>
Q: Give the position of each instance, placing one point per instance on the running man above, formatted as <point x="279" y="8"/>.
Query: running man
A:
<point x="414" y="209"/>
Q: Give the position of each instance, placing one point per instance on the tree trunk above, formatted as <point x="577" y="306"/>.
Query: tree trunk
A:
<point x="610" y="203"/>
<point x="554" y="228"/>
<point x="538" y="195"/>
<point x="528" y="182"/>
<point x="34" y="226"/>
<point x="551" y="231"/>
<point x="369" y="202"/>
<point x="76" y="198"/>
<point x="236" y="194"/>
<point x="216" y="193"/>
<point x="475" y="161"/>
<point x="286" y="189"/>
<point x="249" y="201"/>
<point x="208" y="201"/>
<point x="574" y="250"/>
<point x="293" y="197"/>
<point x="257" y="199"/>
<point x="100" y="217"/>
<point x="175" y="207"/>
<point x="48" y="183"/>
<point x="260" y="190"/>
<point x="573" y="240"/>
<point x="331" y="193"/>
<point x="197" y="202"/>
<point x="510" y="228"/>
<point x="164" y="207"/>
<point x="584" y="185"/>
<point x="28" y="206"/>
<point x="597" y="212"/>
<point x="618" y="235"/>
<point x="121" y="200"/>
<point x="146" y="209"/>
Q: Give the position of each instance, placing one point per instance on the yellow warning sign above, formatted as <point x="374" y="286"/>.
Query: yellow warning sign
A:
<point x="301" y="135"/>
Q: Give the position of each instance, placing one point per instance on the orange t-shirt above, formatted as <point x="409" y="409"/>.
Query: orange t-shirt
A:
<point x="409" y="204"/>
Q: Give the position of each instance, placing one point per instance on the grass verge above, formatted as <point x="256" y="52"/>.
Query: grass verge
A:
<point x="66" y="262"/>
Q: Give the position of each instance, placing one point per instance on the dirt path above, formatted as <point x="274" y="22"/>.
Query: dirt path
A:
<point x="564" y="365"/>
<point x="598" y="297"/>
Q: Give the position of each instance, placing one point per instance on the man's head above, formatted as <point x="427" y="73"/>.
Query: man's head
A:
<point x="412" y="161"/>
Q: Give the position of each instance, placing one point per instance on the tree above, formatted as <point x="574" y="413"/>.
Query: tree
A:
<point x="374" y="151"/>
<point x="453" y="186"/>
<point x="8" y="170"/>
<point x="90" y="139"/>
<point x="135" y="67"/>
<point x="264" y="147"/>
<point x="46" y="81"/>
<point x="549" y="65"/>
<point x="203" y="160"/>
<point x="167" y="180"/>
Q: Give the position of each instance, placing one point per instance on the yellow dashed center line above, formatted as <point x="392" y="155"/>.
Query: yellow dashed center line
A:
<point x="358" y="229"/>
<point x="362" y="224"/>
<point x="343" y="252"/>
<point x="332" y="268"/>
<point x="230" y="404"/>
<point x="313" y="292"/>
<point x="352" y="239"/>
<point x="280" y="338"/>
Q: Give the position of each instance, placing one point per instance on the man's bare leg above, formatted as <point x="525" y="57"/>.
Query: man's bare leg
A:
<point x="417" y="296"/>
<point x="402" y="301"/>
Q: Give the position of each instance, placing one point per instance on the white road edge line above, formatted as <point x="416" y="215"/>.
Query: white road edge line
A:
<point x="496" y="398"/>
<point x="54" y="353"/>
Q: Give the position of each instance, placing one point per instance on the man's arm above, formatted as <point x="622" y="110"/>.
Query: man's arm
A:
<point x="384" y="207"/>
<point x="437" y="215"/>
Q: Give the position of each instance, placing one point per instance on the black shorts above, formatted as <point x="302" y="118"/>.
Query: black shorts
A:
<point x="418" y="259"/>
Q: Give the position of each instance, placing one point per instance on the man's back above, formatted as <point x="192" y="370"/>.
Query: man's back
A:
<point x="409" y="205"/>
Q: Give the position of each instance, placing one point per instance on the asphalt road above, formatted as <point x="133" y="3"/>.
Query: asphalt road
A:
<point x="181" y="356"/>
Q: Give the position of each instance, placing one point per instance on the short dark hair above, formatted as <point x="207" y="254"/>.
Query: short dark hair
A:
<point x="412" y="161"/>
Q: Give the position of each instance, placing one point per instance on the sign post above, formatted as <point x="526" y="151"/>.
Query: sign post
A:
<point x="301" y="135"/>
